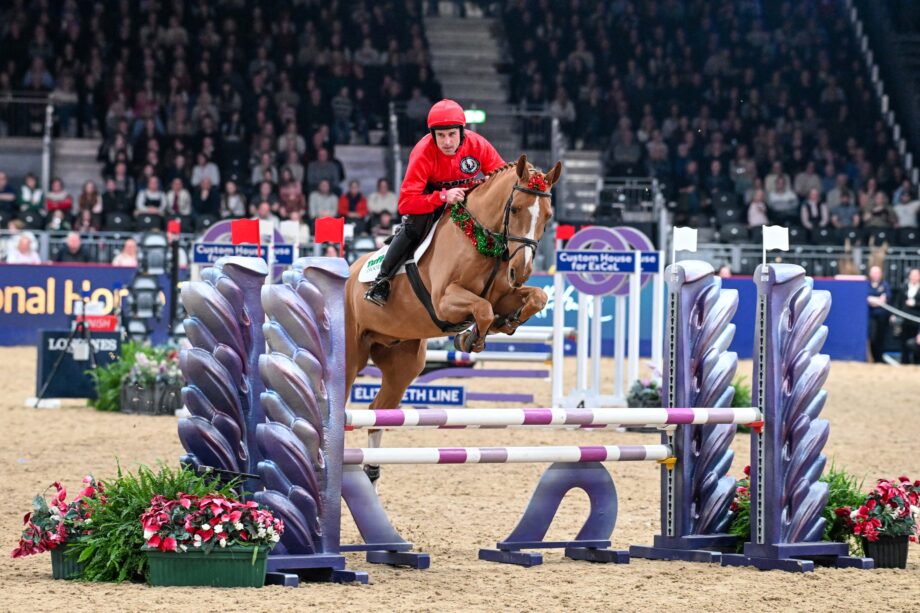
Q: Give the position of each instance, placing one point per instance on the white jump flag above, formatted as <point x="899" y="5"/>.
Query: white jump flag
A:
<point x="684" y="240"/>
<point x="774" y="237"/>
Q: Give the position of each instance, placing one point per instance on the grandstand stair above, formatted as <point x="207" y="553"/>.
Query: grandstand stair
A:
<point x="583" y="179"/>
<point x="465" y="56"/>
<point x="74" y="161"/>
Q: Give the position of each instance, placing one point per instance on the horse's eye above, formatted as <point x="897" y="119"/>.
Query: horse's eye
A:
<point x="514" y="210"/>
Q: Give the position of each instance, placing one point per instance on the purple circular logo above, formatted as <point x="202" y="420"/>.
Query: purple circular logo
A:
<point x="598" y="238"/>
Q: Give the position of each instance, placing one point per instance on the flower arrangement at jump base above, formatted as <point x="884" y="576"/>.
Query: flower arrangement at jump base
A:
<point x="54" y="525"/>
<point x="144" y="379"/>
<point x="886" y="521"/>
<point x="878" y="525"/>
<point x="646" y="393"/>
<point x="211" y="540"/>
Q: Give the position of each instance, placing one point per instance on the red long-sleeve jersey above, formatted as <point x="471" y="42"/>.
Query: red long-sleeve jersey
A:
<point x="429" y="166"/>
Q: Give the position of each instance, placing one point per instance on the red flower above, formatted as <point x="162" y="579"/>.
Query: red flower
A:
<point x="747" y="470"/>
<point x="537" y="182"/>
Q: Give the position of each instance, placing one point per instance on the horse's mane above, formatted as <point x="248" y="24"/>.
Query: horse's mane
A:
<point x="498" y="172"/>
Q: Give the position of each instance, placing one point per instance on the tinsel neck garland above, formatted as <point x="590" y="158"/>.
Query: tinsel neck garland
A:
<point x="488" y="243"/>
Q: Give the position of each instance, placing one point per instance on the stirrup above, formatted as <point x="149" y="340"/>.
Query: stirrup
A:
<point x="383" y="287"/>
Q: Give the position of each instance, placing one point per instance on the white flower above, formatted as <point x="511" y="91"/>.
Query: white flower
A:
<point x="275" y="538"/>
<point x="238" y="525"/>
<point x="223" y="542"/>
<point x="914" y="510"/>
<point x="198" y="542"/>
<point x="148" y="533"/>
<point x="218" y="529"/>
<point x="183" y="548"/>
<point x="89" y="520"/>
<point x="261" y="532"/>
<point x="854" y="514"/>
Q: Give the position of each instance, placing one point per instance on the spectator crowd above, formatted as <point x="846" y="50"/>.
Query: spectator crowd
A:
<point x="211" y="110"/>
<point x="750" y="112"/>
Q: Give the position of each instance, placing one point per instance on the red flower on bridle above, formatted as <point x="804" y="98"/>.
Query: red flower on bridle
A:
<point x="537" y="182"/>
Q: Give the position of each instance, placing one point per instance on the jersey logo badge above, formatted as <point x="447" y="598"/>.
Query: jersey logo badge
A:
<point x="469" y="165"/>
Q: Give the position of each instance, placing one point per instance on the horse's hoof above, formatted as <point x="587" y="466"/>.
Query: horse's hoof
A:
<point x="464" y="341"/>
<point x="372" y="472"/>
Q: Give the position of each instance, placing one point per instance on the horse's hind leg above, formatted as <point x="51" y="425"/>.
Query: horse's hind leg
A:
<point x="399" y="366"/>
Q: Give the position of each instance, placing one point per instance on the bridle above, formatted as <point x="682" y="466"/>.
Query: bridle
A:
<point x="504" y="236"/>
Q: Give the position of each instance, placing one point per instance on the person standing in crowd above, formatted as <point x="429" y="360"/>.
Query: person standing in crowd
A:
<point x="30" y="197"/>
<point x="879" y="294"/>
<point x="909" y="302"/>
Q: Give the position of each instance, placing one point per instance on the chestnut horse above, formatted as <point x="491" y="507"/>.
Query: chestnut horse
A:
<point x="472" y="291"/>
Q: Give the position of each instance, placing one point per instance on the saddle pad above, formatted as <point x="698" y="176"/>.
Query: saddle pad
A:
<point x="372" y="266"/>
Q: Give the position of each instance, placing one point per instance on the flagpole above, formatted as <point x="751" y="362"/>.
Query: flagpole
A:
<point x="763" y="244"/>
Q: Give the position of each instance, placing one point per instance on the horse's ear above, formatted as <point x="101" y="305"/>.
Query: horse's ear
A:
<point x="553" y="175"/>
<point x="521" y="168"/>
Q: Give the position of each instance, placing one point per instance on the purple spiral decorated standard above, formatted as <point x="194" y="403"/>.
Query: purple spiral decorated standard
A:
<point x="223" y="328"/>
<point x="302" y="438"/>
<point x="699" y="369"/>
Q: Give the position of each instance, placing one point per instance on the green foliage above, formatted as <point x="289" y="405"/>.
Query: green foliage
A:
<point x="644" y="393"/>
<point x="139" y="363"/>
<point x="843" y="490"/>
<point x="112" y="551"/>
<point x="742" y="396"/>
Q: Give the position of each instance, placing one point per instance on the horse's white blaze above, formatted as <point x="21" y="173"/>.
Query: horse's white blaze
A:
<point x="534" y="211"/>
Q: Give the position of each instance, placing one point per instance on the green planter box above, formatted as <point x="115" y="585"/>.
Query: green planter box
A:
<point x="64" y="566"/>
<point x="230" y="567"/>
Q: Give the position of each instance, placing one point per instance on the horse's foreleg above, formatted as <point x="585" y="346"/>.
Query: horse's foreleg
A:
<point x="517" y="307"/>
<point x="457" y="304"/>
<point x="399" y="365"/>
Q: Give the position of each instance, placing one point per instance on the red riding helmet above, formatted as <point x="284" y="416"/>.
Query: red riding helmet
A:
<point x="446" y="114"/>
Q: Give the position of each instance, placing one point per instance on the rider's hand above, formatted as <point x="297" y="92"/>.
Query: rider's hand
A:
<point x="454" y="195"/>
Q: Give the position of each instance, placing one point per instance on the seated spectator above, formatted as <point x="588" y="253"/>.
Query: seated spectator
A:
<point x="115" y="200"/>
<point x="127" y="257"/>
<point x="232" y="203"/>
<point x="30" y="197"/>
<point x="717" y="183"/>
<point x="90" y="200"/>
<point x="178" y="169"/>
<point x="323" y="202"/>
<point x="58" y="199"/>
<point x="151" y="200"/>
<point x="25" y="252"/>
<point x="291" y="140"/>
<point x="742" y="170"/>
<point x="866" y="196"/>
<point x="353" y="207"/>
<point x="205" y="168"/>
<point x="813" y="212"/>
<point x="291" y="196"/>
<point x="624" y="157"/>
<point x="382" y="227"/>
<point x="322" y="169"/>
<point x="879" y="213"/>
<point x="178" y="200"/>
<point x="302" y="234"/>
<point x="906" y="209"/>
<point x="292" y="162"/>
<point x="7" y="197"/>
<point x="382" y="199"/>
<point x="86" y="223"/>
<point x="58" y="221"/>
<point x="776" y="172"/>
<point x="907" y="299"/>
<point x="845" y="214"/>
<point x="782" y="202"/>
<point x="757" y="211"/>
<point x="206" y="199"/>
<point x="73" y="250"/>
<point x="266" y="218"/>
<point x="123" y="181"/>
<point x="688" y="186"/>
<point x="264" y="166"/>
<point x="806" y="181"/>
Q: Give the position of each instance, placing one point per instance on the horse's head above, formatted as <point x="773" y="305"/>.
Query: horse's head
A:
<point x="529" y="211"/>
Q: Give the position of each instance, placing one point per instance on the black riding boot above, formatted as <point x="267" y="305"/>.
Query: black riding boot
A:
<point x="399" y="248"/>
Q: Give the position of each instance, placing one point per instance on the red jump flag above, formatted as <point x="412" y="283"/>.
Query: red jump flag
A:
<point x="330" y="230"/>
<point x="246" y="231"/>
<point x="174" y="226"/>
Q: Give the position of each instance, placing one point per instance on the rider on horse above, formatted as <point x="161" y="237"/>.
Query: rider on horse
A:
<point x="441" y="161"/>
